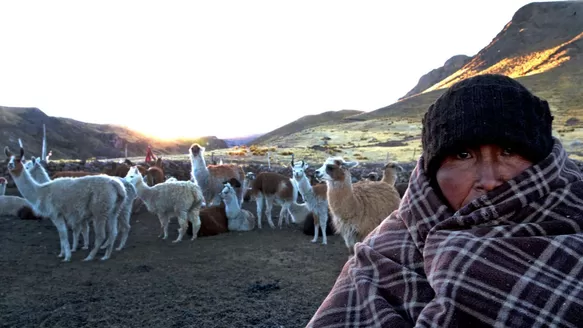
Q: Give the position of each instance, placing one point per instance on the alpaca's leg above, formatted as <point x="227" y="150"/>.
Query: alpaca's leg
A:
<point x="194" y="218"/>
<point x="350" y="240"/>
<point x="316" y="227"/>
<point x="112" y="222"/>
<point x="99" y="223"/>
<point x="59" y="222"/>
<point x="165" y="220"/>
<point x="163" y="223"/>
<point x="282" y="215"/>
<point x="259" y="203"/>
<point x="269" y="210"/>
<point x="85" y="233"/>
<point x="183" y="222"/>
<point x="323" y="218"/>
<point x="76" y="233"/>
<point x="124" y="225"/>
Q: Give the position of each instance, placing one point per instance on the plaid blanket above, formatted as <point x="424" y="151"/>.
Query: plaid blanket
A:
<point x="513" y="257"/>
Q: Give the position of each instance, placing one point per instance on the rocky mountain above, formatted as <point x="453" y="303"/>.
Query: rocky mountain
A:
<point x="451" y="66"/>
<point x="71" y="139"/>
<point x="540" y="37"/>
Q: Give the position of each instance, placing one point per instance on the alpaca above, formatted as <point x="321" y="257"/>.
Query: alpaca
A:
<point x="40" y="175"/>
<point x="372" y="176"/>
<point x="125" y="214"/>
<point x="13" y="205"/>
<point x="71" y="201"/>
<point x="210" y="178"/>
<point x="213" y="221"/>
<point x="3" y="183"/>
<point x="390" y="172"/>
<point x="121" y="169"/>
<point x="238" y="219"/>
<point x="356" y="208"/>
<point x="182" y="199"/>
<point x="315" y="198"/>
<point x="270" y="186"/>
<point x="155" y="174"/>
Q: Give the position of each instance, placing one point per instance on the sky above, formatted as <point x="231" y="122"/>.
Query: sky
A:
<point x="228" y="68"/>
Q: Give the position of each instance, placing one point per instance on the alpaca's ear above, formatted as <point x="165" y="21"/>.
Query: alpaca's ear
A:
<point x="350" y="164"/>
<point x="7" y="152"/>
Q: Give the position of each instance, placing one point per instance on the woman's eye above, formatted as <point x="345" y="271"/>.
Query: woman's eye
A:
<point x="463" y="155"/>
<point x="507" y="151"/>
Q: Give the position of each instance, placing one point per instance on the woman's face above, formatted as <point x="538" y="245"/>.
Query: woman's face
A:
<point x="471" y="173"/>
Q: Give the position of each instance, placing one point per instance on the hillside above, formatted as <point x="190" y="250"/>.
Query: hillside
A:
<point x="71" y="139"/>
<point x="542" y="46"/>
<point x="307" y="122"/>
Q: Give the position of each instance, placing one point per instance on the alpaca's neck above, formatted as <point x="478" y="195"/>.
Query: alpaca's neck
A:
<point x="232" y="207"/>
<point x="39" y="174"/>
<point x="390" y="178"/>
<point x="144" y="191"/>
<point x="200" y="171"/>
<point x="2" y="190"/>
<point x="340" y="193"/>
<point x="27" y="186"/>
<point x="305" y="188"/>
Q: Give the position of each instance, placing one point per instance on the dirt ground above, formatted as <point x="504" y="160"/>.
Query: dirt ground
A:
<point x="265" y="278"/>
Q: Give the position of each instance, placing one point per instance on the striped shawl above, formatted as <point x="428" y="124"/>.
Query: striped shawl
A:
<point x="513" y="257"/>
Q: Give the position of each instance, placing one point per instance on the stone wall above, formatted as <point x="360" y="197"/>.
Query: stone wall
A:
<point x="181" y="169"/>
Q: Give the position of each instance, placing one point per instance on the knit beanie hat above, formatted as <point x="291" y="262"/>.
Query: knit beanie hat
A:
<point x="486" y="109"/>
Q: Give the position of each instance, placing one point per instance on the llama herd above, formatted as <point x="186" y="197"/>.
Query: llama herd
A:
<point x="207" y="204"/>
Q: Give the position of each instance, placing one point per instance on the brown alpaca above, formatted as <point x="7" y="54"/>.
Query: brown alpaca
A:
<point x="73" y="174"/>
<point x="213" y="221"/>
<point x="358" y="208"/>
<point x="121" y="169"/>
<point x="155" y="174"/>
<point x="270" y="186"/>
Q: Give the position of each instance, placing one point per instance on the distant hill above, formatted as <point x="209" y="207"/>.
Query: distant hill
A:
<point x="244" y="140"/>
<point x="542" y="47"/>
<point x="71" y="139"/>
<point x="307" y="122"/>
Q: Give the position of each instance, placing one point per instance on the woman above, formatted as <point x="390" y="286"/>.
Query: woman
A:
<point x="488" y="233"/>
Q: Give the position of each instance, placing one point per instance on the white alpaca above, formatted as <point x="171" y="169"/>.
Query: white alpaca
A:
<point x="71" y="201"/>
<point x="125" y="214"/>
<point x="40" y="175"/>
<point x="315" y="198"/>
<point x="210" y="178"/>
<point x="181" y="199"/>
<point x="238" y="219"/>
<point x="12" y="205"/>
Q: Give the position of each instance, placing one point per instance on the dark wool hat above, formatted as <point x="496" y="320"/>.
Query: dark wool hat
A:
<point x="486" y="109"/>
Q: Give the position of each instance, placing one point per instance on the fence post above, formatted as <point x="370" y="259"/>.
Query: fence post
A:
<point x="126" y="150"/>
<point x="269" y="159"/>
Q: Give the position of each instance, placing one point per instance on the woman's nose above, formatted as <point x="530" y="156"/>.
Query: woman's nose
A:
<point x="489" y="177"/>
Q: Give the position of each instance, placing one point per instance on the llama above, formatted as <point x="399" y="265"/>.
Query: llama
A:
<point x="372" y="176"/>
<point x="356" y="208"/>
<point x="238" y="219"/>
<point x="270" y="186"/>
<point x="71" y="201"/>
<point x="182" y="199"/>
<point x="40" y="175"/>
<point x="3" y="183"/>
<point x="210" y="178"/>
<point x="315" y="198"/>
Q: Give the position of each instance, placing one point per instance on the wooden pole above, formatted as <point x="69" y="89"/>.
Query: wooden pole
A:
<point x="43" y="155"/>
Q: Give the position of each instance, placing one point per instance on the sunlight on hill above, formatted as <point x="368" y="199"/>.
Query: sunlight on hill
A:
<point x="530" y="64"/>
